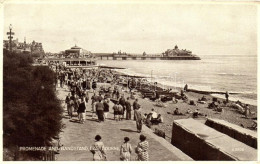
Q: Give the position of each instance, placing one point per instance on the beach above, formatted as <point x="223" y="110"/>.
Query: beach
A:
<point x="235" y="74"/>
<point x="229" y="114"/>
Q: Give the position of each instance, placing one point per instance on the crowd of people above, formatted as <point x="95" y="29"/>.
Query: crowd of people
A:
<point x="81" y="83"/>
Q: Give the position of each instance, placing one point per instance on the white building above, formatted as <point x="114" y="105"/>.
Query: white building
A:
<point x="76" y="52"/>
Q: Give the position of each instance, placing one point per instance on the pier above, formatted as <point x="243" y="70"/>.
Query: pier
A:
<point x="138" y="57"/>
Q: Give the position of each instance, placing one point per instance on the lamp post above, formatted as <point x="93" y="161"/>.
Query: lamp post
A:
<point x="10" y="37"/>
<point x="151" y="79"/>
<point x="175" y="80"/>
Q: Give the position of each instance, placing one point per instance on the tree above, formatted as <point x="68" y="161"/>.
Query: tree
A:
<point x="31" y="111"/>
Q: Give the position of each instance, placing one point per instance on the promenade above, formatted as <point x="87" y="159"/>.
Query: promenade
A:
<point x="77" y="136"/>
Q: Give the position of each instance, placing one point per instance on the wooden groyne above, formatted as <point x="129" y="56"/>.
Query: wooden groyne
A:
<point x="209" y="92"/>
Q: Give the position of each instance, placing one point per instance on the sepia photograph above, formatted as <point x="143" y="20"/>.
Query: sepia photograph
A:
<point x="129" y="80"/>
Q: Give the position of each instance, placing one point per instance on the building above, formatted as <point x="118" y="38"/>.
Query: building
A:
<point x="76" y="52"/>
<point x="72" y="62"/>
<point x="177" y="52"/>
<point x="36" y="46"/>
<point x="33" y="48"/>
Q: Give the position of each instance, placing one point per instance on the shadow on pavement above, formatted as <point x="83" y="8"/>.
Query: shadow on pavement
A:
<point x="95" y="120"/>
<point x="75" y="121"/>
<point x="110" y="119"/>
<point x="128" y="130"/>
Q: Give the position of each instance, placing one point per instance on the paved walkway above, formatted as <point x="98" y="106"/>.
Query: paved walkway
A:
<point x="81" y="136"/>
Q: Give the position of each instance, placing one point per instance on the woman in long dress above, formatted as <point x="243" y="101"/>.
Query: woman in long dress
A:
<point x="100" y="111"/>
<point x="139" y="119"/>
<point x="71" y="107"/>
<point x="67" y="101"/>
<point x="106" y="108"/>
<point x="126" y="150"/>
<point x="81" y="110"/>
<point x="142" y="149"/>
<point x="98" y="150"/>
<point x="247" y="111"/>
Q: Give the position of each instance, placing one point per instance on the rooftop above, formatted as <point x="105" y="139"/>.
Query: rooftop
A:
<point x="75" y="47"/>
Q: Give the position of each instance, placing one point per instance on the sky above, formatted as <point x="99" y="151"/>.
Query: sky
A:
<point x="205" y="29"/>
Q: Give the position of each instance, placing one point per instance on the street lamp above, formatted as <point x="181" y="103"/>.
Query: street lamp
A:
<point x="175" y="80"/>
<point x="10" y="28"/>
<point x="10" y="36"/>
<point x="151" y="75"/>
<point x="151" y="79"/>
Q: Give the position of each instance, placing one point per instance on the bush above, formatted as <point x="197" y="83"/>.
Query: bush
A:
<point x="31" y="111"/>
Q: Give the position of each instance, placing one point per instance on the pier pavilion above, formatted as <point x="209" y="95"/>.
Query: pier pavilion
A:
<point x="73" y="62"/>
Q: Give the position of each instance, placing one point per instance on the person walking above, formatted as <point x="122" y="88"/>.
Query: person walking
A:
<point x="71" y="107"/>
<point x="120" y="112"/>
<point x="100" y="111"/>
<point x="122" y="103"/>
<point x="81" y="110"/>
<point x="76" y="104"/>
<point x="135" y="106"/>
<point x="115" y="108"/>
<point x="117" y="94"/>
<point x="98" y="150"/>
<point x="126" y="150"/>
<point x="100" y="97"/>
<point x="93" y="103"/>
<point x="84" y="84"/>
<point x="247" y="111"/>
<point x="61" y="80"/>
<point x="142" y="149"/>
<point x="128" y="109"/>
<point x="86" y="95"/>
<point x="67" y="101"/>
<point x="94" y="85"/>
<point x="106" y="107"/>
<point x="185" y="88"/>
<point x="227" y="95"/>
<point x="139" y="119"/>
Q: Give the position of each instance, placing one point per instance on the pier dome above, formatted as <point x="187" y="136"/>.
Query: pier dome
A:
<point x="76" y="52"/>
<point x="75" y="47"/>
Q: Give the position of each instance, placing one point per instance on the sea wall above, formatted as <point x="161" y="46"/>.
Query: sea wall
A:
<point x="241" y="134"/>
<point x="201" y="142"/>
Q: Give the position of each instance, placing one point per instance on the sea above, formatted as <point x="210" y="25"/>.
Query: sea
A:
<point x="235" y="74"/>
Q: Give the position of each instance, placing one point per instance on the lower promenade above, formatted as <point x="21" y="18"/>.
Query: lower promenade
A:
<point x="77" y="138"/>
